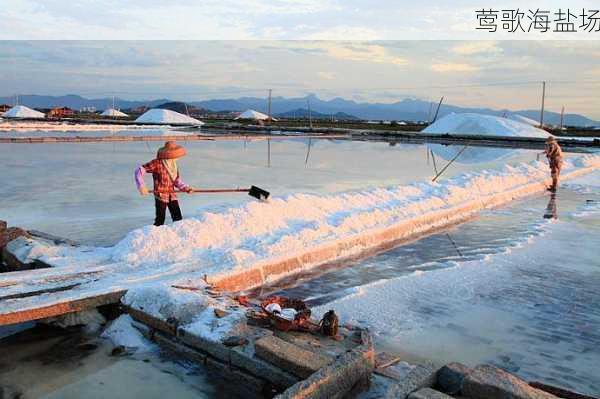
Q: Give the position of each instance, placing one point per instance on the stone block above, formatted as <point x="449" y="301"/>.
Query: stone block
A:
<point x="216" y="349"/>
<point x="245" y="360"/>
<point x="450" y="378"/>
<point x="336" y="380"/>
<point x="247" y="385"/>
<point x="421" y="376"/>
<point x="489" y="382"/>
<point x="428" y="393"/>
<point x="290" y="357"/>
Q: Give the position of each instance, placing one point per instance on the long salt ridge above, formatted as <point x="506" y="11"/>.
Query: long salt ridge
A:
<point x="244" y="247"/>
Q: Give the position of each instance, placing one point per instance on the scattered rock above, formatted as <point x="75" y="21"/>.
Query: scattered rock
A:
<point x="16" y="252"/>
<point x="450" y="377"/>
<point x="8" y="392"/>
<point x="489" y="382"/>
<point x="220" y="313"/>
<point x="235" y="341"/>
<point x="87" y="346"/>
<point x="121" y="350"/>
<point x="428" y="393"/>
<point x="15" y="232"/>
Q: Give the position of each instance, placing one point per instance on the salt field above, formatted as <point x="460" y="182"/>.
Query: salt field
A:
<point x="478" y="292"/>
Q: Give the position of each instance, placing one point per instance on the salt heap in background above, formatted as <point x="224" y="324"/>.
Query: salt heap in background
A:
<point x="114" y="113"/>
<point x="165" y="117"/>
<point x="523" y="119"/>
<point x="482" y="125"/>
<point x="252" y="114"/>
<point x="21" y="111"/>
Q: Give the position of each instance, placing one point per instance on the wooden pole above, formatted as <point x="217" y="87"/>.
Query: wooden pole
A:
<point x="429" y="113"/>
<point x="434" y="163"/>
<point x="309" y="113"/>
<point x="543" y="100"/>
<point x="308" y="151"/>
<point x="437" y="110"/>
<point x="268" y="152"/>
<point x="449" y="163"/>
<point x="562" y="114"/>
<point x="269" y="109"/>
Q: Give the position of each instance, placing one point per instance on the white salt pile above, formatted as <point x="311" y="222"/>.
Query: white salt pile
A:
<point x="115" y="113"/>
<point x="252" y="114"/>
<point x="485" y="125"/>
<point x="21" y="111"/>
<point x="523" y="119"/>
<point x="165" y="116"/>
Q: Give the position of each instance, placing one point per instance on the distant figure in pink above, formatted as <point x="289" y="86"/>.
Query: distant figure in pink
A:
<point x="555" y="159"/>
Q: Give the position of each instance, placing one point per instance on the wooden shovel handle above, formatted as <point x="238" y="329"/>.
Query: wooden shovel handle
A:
<point x="213" y="190"/>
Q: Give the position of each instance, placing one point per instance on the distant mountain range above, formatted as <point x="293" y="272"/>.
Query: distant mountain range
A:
<point x="407" y="109"/>
<point x="303" y="113"/>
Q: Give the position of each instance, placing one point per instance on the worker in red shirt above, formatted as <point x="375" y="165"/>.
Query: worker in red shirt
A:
<point x="165" y="175"/>
<point x="555" y="159"/>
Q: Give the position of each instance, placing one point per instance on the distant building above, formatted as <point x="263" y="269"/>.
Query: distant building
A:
<point x="88" y="109"/>
<point x="60" y="112"/>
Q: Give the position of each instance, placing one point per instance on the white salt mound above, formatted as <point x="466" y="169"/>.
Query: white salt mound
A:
<point x="523" y="119"/>
<point x="252" y="114"/>
<point x="21" y="111"/>
<point x="114" y="113"/>
<point x="166" y="116"/>
<point x="485" y="125"/>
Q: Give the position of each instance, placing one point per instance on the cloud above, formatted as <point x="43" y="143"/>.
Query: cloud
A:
<point x="342" y="33"/>
<point x="454" y="67"/>
<point x="364" y="52"/>
<point x="478" y="47"/>
<point x="326" y="75"/>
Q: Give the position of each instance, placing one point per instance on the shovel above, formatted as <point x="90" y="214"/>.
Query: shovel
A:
<point x="253" y="191"/>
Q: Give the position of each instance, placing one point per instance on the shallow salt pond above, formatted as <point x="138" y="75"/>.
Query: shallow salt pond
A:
<point x="86" y="191"/>
<point x="509" y="287"/>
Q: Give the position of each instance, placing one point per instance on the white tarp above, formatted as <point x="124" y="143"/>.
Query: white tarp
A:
<point x="165" y="117"/>
<point x="21" y="111"/>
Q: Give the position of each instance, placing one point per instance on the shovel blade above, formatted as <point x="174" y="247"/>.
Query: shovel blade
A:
<point x="258" y="193"/>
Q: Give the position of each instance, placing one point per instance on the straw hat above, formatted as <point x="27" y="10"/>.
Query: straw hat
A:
<point x="171" y="150"/>
<point x="550" y="139"/>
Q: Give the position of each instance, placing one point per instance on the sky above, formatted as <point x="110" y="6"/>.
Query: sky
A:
<point x="496" y="74"/>
<point x="266" y="19"/>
